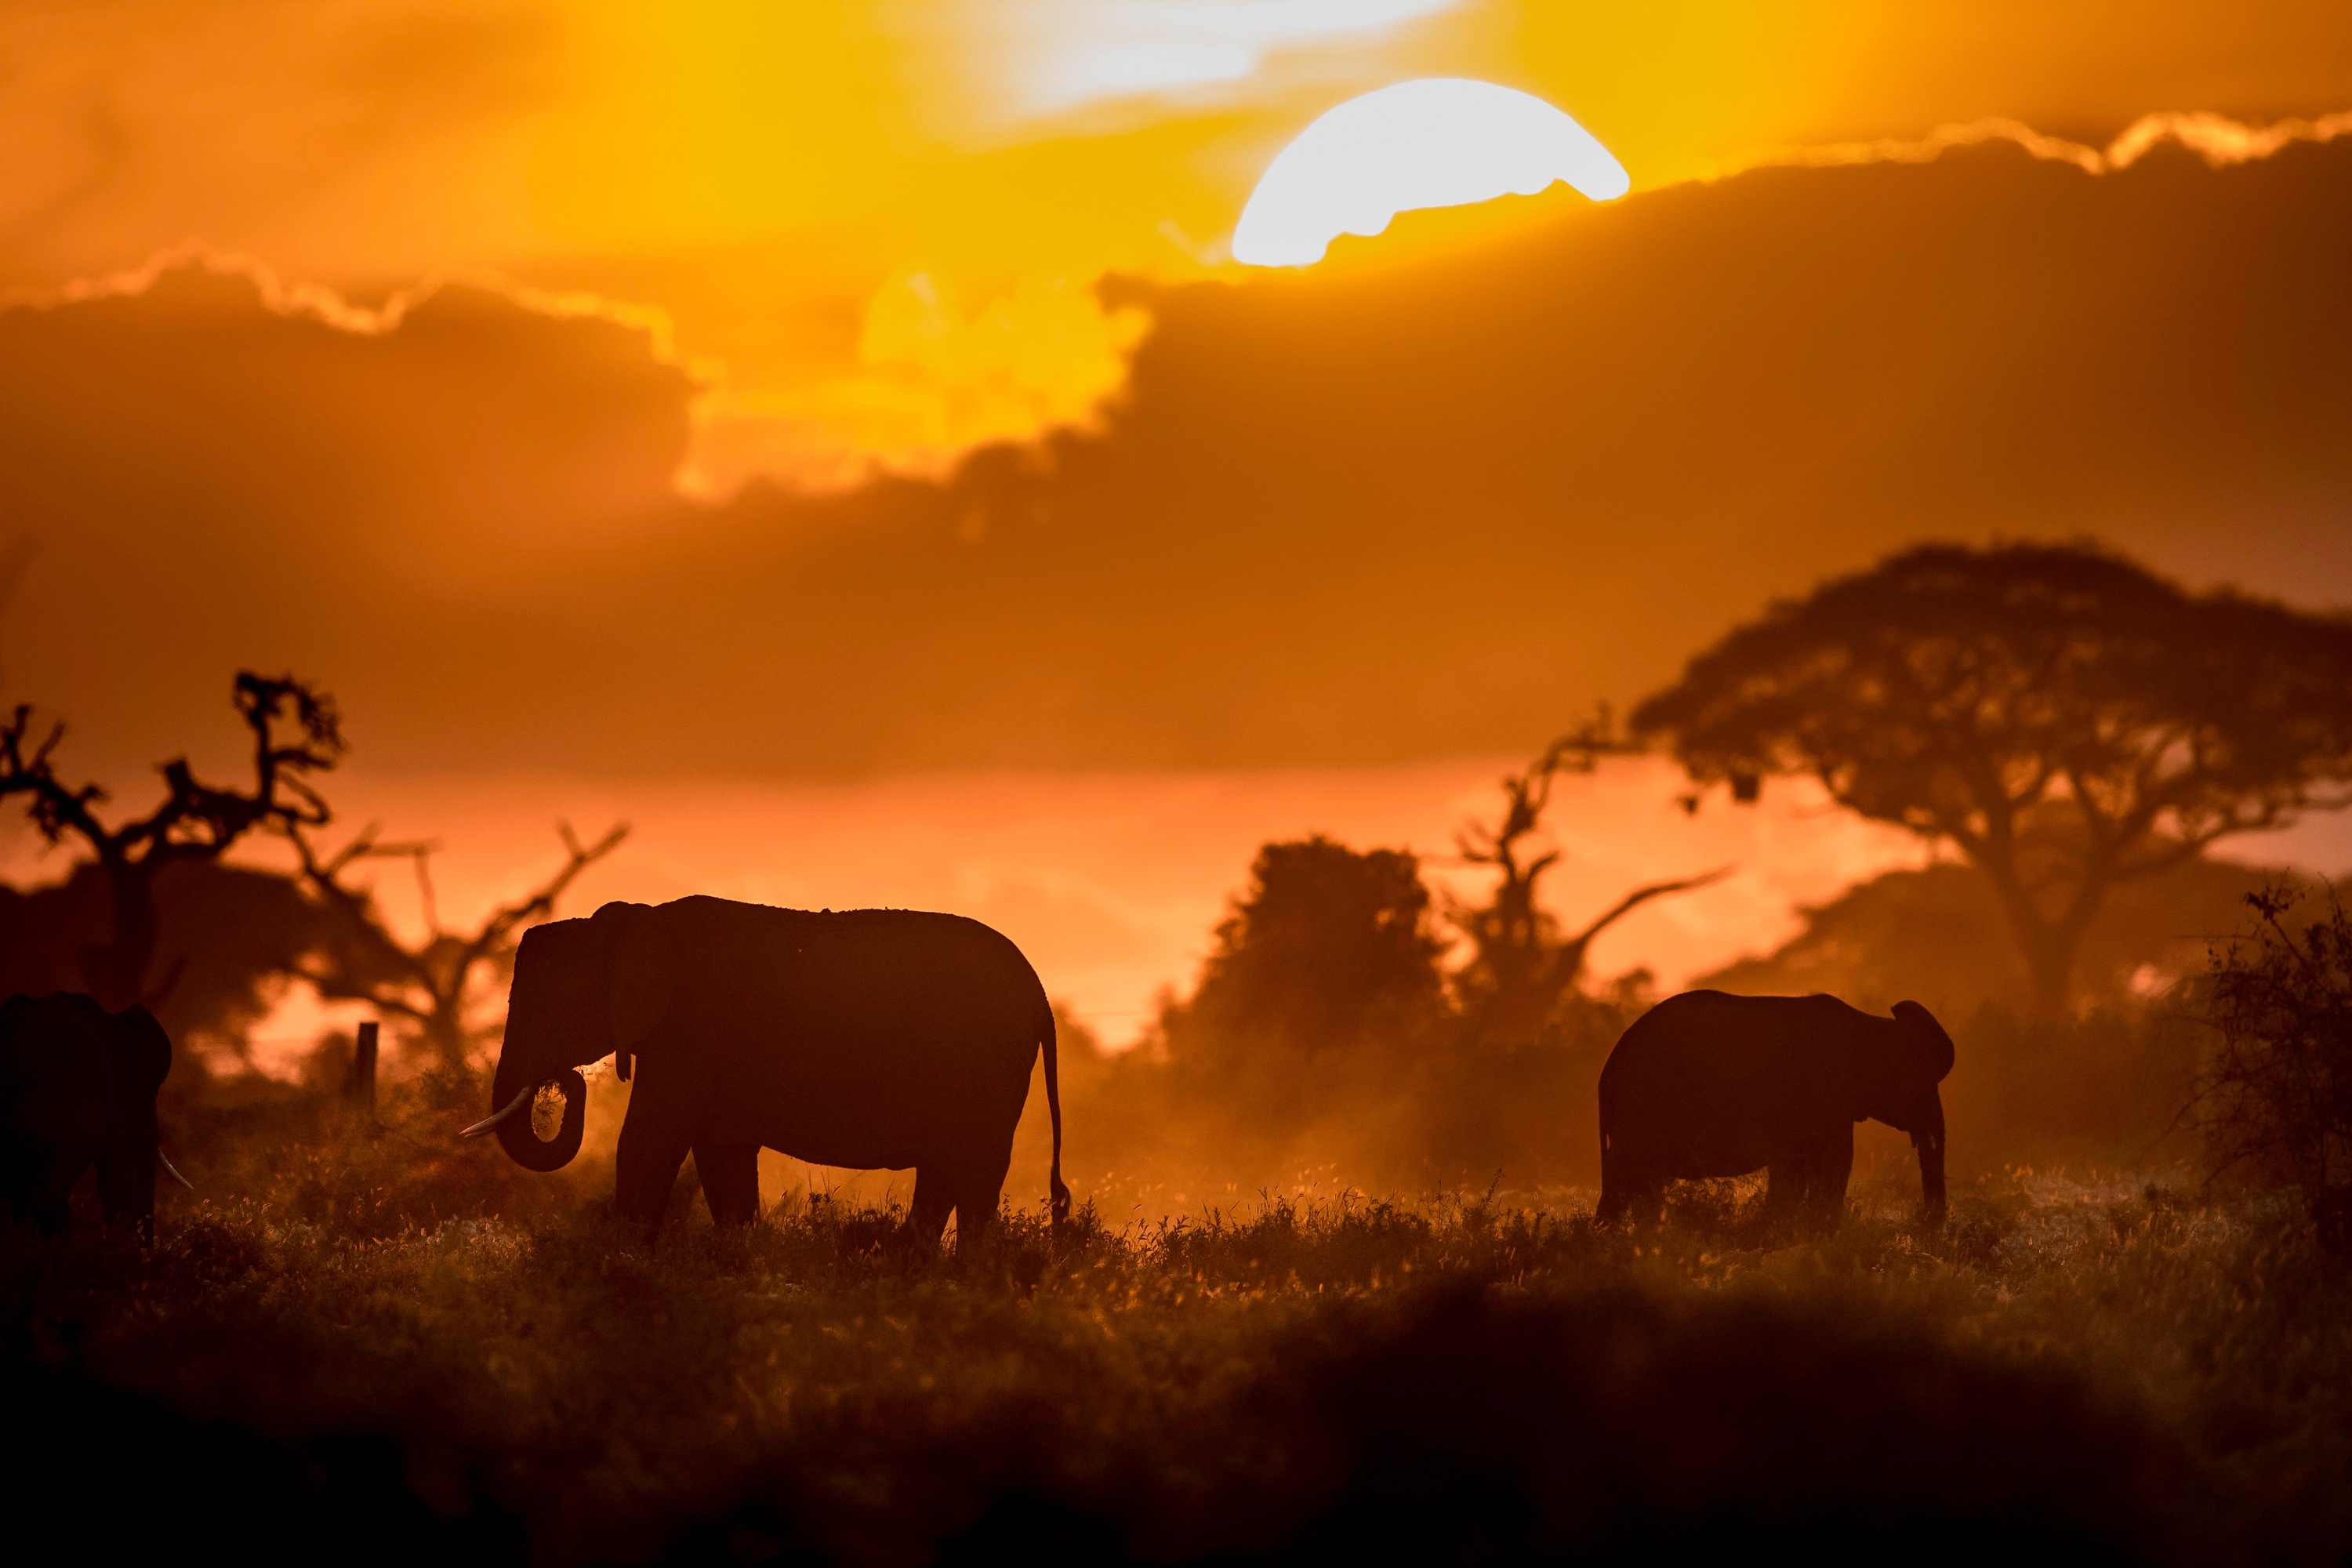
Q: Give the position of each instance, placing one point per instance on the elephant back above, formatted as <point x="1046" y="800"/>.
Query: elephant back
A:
<point x="1716" y="1048"/>
<point x="906" y="1022"/>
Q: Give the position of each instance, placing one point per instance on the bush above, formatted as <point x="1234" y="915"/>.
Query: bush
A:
<point x="2275" y="1100"/>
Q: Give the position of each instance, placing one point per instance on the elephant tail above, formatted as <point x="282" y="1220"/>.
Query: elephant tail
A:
<point x="1059" y="1191"/>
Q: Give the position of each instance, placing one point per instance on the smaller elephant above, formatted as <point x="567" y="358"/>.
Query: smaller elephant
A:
<point x="1707" y="1084"/>
<point x="78" y="1088"/>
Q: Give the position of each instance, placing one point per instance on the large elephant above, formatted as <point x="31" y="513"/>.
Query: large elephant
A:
<point x="1706" y="1084"/>
<point x="871" y="1038"/>
<point x="77" y="1089"/>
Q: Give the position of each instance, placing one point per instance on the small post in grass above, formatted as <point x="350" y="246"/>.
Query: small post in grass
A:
<point x="360" y="1088"/>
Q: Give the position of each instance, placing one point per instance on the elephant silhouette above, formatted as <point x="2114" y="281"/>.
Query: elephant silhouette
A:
<point x="77" y="1089"/>
<point x="869" y="1038"/>
<point x="1707" y="1084"/>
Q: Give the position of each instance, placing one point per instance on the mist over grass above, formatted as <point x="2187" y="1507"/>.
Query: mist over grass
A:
<point x="1334" y="1288"/>
<point x="2102" y="1089"/>
<point x="363" y="1326"/>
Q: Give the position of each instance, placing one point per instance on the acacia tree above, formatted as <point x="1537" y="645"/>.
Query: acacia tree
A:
<point x="2064" y="718"/>
<point x="1521" y="966"/>
<point x="296" y="733"/>
<point x="433" y="983"/>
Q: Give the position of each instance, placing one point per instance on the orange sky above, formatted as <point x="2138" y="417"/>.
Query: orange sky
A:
<point x="477" y="318"/>
<point x="875" y="225"/>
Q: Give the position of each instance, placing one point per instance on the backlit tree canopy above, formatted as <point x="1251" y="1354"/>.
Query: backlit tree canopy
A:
<point x="2066" y="718"/>
<point x="1323" y="983"/>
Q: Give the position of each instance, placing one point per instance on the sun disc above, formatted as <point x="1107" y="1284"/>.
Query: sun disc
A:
<point x="1440" y="141"/>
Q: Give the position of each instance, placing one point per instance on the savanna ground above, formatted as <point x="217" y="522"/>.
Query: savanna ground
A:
<point x="364" y="1341"/>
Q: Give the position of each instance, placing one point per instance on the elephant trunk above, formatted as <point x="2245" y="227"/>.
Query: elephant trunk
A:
<point x="558" y="1020"/>
<point x="520" y="1138"/>
<point x="1927" y="1137"/>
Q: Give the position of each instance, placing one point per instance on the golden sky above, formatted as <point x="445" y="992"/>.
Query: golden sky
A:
<point x="875" y="224"/>
<point x="465" y="292"/>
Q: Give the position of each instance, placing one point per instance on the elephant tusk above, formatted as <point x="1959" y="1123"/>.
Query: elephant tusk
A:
<point x="487" y="1122"/>
<point x="172" y="1171"/>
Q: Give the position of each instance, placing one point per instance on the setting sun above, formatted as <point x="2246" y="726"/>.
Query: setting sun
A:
<point x="1180" y="782"/>
<point x="1438" y="143"/>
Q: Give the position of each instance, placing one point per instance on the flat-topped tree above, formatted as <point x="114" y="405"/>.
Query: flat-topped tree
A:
<point x="296" y="734"/>
<point x="2066" y="718"/>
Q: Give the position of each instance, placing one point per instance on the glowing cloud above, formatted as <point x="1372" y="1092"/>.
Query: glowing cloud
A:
<point x="1438" y="143"/>
<point x="2215" y="138"/>
<point x="1070" y="53"/>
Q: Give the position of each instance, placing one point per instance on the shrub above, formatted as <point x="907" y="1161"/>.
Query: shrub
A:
<point x="2275" y="1100"/>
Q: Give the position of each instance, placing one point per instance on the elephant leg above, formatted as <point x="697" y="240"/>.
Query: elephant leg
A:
<point x="126" y="1192"/>
<point x="1615" y="1198"/>
<point x="645" y="1167"/>
<point x="928" y="1216"/>
<point x="977" y="1195"/>
<point x="1631" y="1192"/>
<point x="52" y="1216"/>
<point x="1628" y="1194"/>
<point x="1833" y="1168"/>
<point x="731" y="1181"/>
<point x="1785" y="1182"/>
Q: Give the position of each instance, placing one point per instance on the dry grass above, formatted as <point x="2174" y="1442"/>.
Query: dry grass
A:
<point x="478" y="1362"/>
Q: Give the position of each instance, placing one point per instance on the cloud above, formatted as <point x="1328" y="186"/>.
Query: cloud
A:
<point x="2216" y="138"/>
<point x="1057" y="56"/>
<point x="451" y="413"/>
<point x="221" y="469"/>
<point x="936" y="378"/>
<point x="1418" y="502"/>
<point x="937" y="375"/>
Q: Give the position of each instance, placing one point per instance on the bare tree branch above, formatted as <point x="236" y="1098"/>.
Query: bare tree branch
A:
<point x="1568" y="964"/>
<point x="297" y="733"/>
<point x="434" y="982"/>
<point x="1520" y="969"/>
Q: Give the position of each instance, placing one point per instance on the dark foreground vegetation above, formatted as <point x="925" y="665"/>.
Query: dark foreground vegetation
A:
<point x="344" y="1343"/>
<point x="365" y="1340"/>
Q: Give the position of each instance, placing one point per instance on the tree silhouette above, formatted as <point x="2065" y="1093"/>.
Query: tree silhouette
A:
<point x="2068" y="719"/>
<point x="2272" y="1096"/>
<point x="232" y="931"/>
<point x="1327" y="962"/>
<point x="431" y="983"/>
<point x="296" y="733"/>
<point x="1521" y="966"/>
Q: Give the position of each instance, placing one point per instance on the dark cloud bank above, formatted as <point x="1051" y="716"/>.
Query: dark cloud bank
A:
<point x="1373" y="512"/>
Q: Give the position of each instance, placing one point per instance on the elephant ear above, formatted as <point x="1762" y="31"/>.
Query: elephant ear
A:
<point x="1924" y="1034"/>
<point x="641" y="971"/>
<point x="142" y="1047"/>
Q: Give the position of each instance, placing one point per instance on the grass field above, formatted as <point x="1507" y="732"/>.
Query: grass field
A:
<point x="354" y="1334"/>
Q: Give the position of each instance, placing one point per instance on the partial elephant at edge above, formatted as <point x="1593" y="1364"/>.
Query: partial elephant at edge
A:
<point x="77" y="1087"/>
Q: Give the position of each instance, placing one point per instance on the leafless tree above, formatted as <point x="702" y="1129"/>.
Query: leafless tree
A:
<point x="1520" y="966"/>
<point x="296" y="734"/>
<point x="432" y="984"/>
